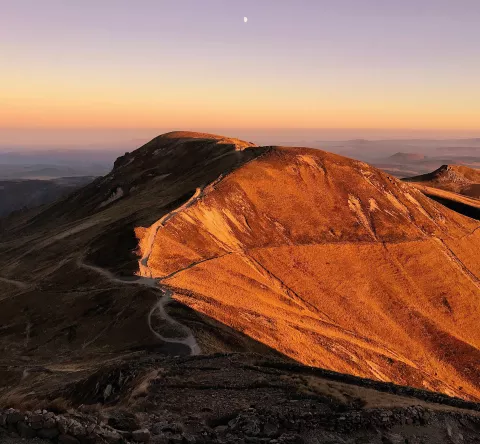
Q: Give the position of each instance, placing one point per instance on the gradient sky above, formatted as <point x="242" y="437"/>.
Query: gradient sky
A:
<point x="193" y="64"/>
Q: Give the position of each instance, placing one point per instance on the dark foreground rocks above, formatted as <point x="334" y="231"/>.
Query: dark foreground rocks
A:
<point x="296" y="423"/>
<point x="240" y="399"/>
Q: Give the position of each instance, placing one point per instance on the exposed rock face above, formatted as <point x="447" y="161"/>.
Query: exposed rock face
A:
<point x="333" y="263"/>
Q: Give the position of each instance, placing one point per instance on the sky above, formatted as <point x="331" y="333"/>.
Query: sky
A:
<point x="113" y="67"/>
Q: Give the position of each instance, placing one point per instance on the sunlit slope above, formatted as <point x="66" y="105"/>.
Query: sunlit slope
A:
<point x="455" y="178"/>
<point x="333" y="263"/>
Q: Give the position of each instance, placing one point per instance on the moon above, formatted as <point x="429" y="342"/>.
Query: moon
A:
<point x="245" y="19"/>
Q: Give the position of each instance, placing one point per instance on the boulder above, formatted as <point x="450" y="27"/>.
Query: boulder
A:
<point x="49" y="423"/>
<point x="142" y="435"/>
<point x="48" y="433"/>
<point x="111" y="436"/>
<point x="15" y="417"/>
<point x="392" y="438"/>
<point x="25" y="431"/>
<point x="68" y="439"/>
<point x="36" y="421"/>
<point x="124" y="421"/>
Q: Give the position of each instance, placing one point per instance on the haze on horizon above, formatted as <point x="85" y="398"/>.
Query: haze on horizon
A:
<point x="85" y="72"/>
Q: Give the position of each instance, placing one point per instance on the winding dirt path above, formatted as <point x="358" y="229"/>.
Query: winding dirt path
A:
<point x="145" y="278"/>
<point x="157" y="310"/>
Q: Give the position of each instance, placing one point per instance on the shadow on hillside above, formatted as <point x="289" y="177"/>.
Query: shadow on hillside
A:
<point x="116" y="249"/>
<point x="459" y="207"/>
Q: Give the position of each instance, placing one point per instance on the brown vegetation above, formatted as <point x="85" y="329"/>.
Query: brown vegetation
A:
<point x="334" y="264"/>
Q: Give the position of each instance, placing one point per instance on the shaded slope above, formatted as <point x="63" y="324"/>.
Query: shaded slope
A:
<point x="467" y="206"/>
<point x="334" y="264"/>
<point x="456" y="187"/>
<point x="143" y="186"/>
<point x="56" y="311"/>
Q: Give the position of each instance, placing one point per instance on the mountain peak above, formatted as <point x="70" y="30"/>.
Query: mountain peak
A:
<point x="453" y="178"/>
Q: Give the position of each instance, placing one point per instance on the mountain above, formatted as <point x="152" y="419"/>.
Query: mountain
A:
<point x="455" y="178"/>
<point x="327" y="259"/>
<point x="455" y="186"/>
<point x="406" y="157"/>
<point x="22" y="194"/>
<point x="149" y="289"/>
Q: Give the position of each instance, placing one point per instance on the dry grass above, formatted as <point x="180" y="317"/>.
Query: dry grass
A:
<point x="278" y="251"/>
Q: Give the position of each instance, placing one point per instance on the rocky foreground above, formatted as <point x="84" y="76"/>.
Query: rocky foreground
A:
<point x="243" y="399"/>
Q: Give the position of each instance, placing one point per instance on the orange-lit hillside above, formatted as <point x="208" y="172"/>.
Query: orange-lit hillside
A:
<point x="333" y="263"/>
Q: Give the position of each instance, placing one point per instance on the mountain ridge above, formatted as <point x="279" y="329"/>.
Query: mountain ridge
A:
<point x="426" y="221"/>
<point x="288" y="252"/>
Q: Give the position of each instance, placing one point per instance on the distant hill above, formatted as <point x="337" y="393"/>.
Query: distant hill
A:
<point x="24" y="194"/>
<point x="455" y="178"/>
<point x="406" y="157"/>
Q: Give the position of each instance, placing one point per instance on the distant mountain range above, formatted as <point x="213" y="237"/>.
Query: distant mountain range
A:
<point x="25" y="194"/>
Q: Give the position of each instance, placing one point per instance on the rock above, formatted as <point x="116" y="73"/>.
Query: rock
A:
<point x="108" y="391"/>
<point x="67" y="439"/>
<point x="175" y="428"/>
<point x="251" y="427"/>
<point x="14" y="417"/>
<point x="25" y="431"/>
<point x="270" y="429"/>
<point x="48" y="433"/>
<point x="142" y="435"/>
<point x="163" y="426"/>
<point x="455" y="437"/>
<point x="221" y="430"/>
<point x="49" y="423"/>
<point x="392" y="438"/>
<point x="158" y="428"/>
<point x="111" y="436"/>
<point x="62" y="425"/>
<point x="363" y="440"/>
<point x="124" y="421"/>
<point x="36" y="421"/>
<point x="76" y="429"/>
<point x="160" y="439"/>
<point x="291" y="438"/>
<point x="92" y="439"/>
<point x="189" y="439"/>
<point x="449" y="431"/>
<point x="176" y="439"/>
